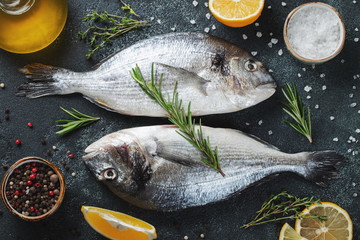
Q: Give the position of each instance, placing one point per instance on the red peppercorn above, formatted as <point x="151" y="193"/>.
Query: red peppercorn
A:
<point x="29" y="124"/>
<point x="17" y="142"/>
<point x="37" y="185"/>
<point x="71" y="155"/>
<point x="17" y="193"/>
<point x="16" y="171"/>
<point x="36" y="210"/>
<point x="29" y="183"/>
<point x="32" y="209"/>
<point x="33" y="164"/>
<point x="51" y="193"/>
<point x="32" y="176"/>
<point x="34" y="170"/>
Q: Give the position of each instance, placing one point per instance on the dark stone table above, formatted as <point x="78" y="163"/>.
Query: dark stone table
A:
<point x="218" y="221"/>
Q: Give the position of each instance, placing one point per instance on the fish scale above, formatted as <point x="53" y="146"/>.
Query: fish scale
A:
<point x="177" y="177"/>
<point x="213" y="74"/>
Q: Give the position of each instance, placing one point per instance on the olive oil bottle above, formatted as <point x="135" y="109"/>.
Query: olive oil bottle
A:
<point x="27" y="26"/>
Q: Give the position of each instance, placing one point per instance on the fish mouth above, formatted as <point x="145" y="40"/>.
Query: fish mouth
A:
<point x="266" y="85"/>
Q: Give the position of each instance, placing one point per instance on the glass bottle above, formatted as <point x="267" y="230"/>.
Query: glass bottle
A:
<point x="30" y="25"/>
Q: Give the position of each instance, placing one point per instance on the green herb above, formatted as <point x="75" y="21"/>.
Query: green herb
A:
<point x="106" y="26"/>
<point x="294" y="107"/>
<point x="178" y="116"/>
<point x="283" y="206"/>
<point x="70" y="125"/>
<point x="127" y="7"/>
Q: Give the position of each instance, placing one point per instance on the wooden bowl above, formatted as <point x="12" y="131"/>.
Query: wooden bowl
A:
<point x="320" y="60"/>
<point x="25" y="161"/>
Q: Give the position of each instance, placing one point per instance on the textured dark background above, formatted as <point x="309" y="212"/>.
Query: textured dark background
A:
<point x="221" y="220"/>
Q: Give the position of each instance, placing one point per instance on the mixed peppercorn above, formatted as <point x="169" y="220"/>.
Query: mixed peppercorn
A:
<point x="33" y="189"/>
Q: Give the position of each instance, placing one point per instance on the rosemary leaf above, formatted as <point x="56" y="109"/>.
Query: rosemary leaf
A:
<point x="295" y="109"/>
<point x="178" y="116"/>
<point x="81" y="120"/>
<point x="281" y="207"/>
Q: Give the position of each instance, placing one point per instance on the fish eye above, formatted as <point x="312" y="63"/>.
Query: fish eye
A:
<point x="251" y="66"/>
<point x="109" y="174"/>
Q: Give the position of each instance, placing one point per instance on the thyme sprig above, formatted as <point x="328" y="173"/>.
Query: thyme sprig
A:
<point x="105" y="26"/>
<point x="294" y="107"/>
<point x="81" y="120"/>
<point x="127" y="7"/>
<point x="281" y="207"/>
<point x="178" y="116"/>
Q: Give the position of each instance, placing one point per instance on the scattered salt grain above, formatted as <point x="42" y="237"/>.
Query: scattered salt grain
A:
<point x="208" y="15"/>
<point x="332" y="118"/>
<point x="308" y="97"/>
<point x="247" y="124"/>
<point x="274" y="40"/>
<point x="202" y="235"/>
<point x="355" y="195"/>
<point x="270" y="34"/>
<point x="192" y="21"/>
<point x="351" y="95"/>
<point x="173" y="29"/>
<point x="270" y="132"/>
<point x="271" y="71"/>
<point x="354" y="87"/>
<point x="283" y="4"/>
<point x="207" y="30"/>
<point x="158" y="21"/>
<point x="322" y="75"/>
<point x="342" y="60"/>
<point x="353" y="105"/>
<point x="270" y="45"/>
<point x="304" y="69"/>
<point x="269" y="7"/>
<point x="73" y="174"/>
<point x="307" y="88"/>
<point x="356" y="29"/>
<point x="186" y="238"/>
<point x="356" y="39"/>
<point x="54" y="148"/>
<point x="317" y="106"/>
<point x="259" y="34"/>
<point x="206" y="4"/>
<point x="213" y="27"/>
<point x="244" y="36"/>
<point x="260" y="122"/>
<point x="357" y="130"/>
<point x="335" y="139"/>
<point x="323" y="87"/>
<point x="2" y="85"/>
<point x="314" y="32"/>
<point x="280" y="52"/>
<point x="257" y="24"/>
<point x="354" y="2"/>
<point x="299" y="74"/>
<point x="353" y="184"/>
<point x="254" y="53"/>
<point x="152" y="19"/>
<point x="195" y="3"/>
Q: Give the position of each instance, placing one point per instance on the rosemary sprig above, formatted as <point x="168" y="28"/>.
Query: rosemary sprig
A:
<point x="178" y="116"/>
<point x="71" y="125"/>
<point x="294" y="107"/>
<point x="281" y="207"/>
<point x="106" y="26"/>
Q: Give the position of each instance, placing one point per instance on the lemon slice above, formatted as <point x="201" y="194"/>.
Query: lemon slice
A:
<point x="118" y="226"/>
<point x="288" y="233"/>
<point x="236" y="13"/>
<point x="338" y="225"/>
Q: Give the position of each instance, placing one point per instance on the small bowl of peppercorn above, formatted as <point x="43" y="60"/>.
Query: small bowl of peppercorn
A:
<point x="33" y="188"/>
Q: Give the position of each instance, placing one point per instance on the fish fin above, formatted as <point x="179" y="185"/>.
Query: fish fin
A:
<point x="259" y="140"/>
<point x="101" y="104"/>
<point x="322" y="166"/>
<point x="43" y="81"/>
<point x="181" y="75"/>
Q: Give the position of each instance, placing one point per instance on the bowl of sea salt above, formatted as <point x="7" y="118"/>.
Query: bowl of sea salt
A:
<point x="314" y="32"/>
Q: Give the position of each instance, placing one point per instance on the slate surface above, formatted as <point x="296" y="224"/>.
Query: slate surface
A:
<point x="218" y="221"/>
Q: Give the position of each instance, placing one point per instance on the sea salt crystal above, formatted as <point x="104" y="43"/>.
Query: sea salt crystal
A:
<point x="357" y="130"/>
<point x="304" y="69"/>
<point x="254" y="53"/>
<point x="158" y="21"/>
<point x="314" y="32"/>
<point x="335" y="139"/>
<point x="270" y="132"/>
<point x="213" y="27"/>
<point x="274" y="40"/>
<point x="308" y="97"/>
<point x="192" y="21"/>
<point x="257" y="24"/>
<point x="260" y="122"/>
<point x="269" y="7"/>
<point x="322" y="75"/>
<point x="299" y="74"/>
<point x="307" y="88"/>
<point x="247" y="124"/>
<point x="351" y="95"/>
<point x="356" y="29"/>
<point x="283" y="4"/>
<point x="195" y="3"/>
<point x="353" y="105"/>
<point x="259" y="34"/>
<point x="354" y="2"/>
<point x="173" y="28"/>
<point x="323" y="87"/>
<point x="332" y="118"/>
<point x="207" y="30"/>
<point x="270" y="34"/>
<point x="206" y="4"/>
<point x="152" y="19"/>
<point x="270" y="45"/>
<point x="342" y="60"/>
<point x="244" y="36"/>
<point x="317" y="106"/>
<point x="353" y="184"/>
<point x="280" y="52"/>
<point x="271" y="71"/>
<point x="355" y="195"/>
<point x="356" y="39"/>
<point x="354" y="87"/>
<point x="208" y="15"/>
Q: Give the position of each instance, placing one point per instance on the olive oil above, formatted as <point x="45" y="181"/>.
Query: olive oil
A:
<point x="31" y="25"/>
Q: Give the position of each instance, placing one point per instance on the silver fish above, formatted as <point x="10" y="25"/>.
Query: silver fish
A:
<point x="215" y="75"/>
<point x="155" y="168"/>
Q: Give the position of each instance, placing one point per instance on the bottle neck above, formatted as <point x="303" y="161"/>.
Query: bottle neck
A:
<point x="16" y="7"/>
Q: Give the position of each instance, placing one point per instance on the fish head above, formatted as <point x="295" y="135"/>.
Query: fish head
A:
<point x="119" y="162"/>
<point x="248" y="82"/>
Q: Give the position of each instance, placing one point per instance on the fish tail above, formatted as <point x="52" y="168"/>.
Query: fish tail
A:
<point x="44" y="80"/>
<point x="322" y="166"/>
